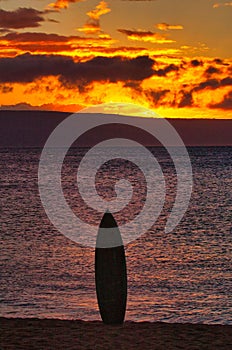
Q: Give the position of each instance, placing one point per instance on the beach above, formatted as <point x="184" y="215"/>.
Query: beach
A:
<point x="45" y="334"/>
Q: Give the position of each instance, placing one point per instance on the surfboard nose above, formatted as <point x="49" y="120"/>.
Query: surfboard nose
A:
<point x="108" y="220"/>
<point x="109" y="235"/>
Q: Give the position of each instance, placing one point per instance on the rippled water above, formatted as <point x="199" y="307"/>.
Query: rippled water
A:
<point x="183" y="276"/>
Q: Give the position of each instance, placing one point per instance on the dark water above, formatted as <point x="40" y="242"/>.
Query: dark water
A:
<point x="183" y="276"/>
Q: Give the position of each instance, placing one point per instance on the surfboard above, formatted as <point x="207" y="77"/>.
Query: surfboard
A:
<point x="110" y="271"/>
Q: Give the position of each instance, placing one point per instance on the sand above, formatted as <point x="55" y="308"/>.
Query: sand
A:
<point x="79" y="335"/>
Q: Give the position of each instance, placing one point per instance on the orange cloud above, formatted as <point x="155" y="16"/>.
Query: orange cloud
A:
<point x="63" y="4"/>
<point x="92" y="26"/>
<point x="165" y="26"/>
<point x="173" y="84"/>
<point x="13" y="44"/>
<point x="101" y="9"/>
<point x="161" y="94"/>
<point x="80" y="48"/>
<point x="225" y="103"/>
<point x="146" y="36"/>
<point x="222" y="4"/>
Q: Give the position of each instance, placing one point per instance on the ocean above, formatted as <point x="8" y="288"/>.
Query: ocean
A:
<point x="181" y="276"/>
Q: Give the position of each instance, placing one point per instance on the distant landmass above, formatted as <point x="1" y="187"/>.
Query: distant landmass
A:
<point x="32" y="128"/>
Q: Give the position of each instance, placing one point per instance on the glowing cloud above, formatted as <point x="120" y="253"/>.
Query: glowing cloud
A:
<point x="222" y="4"/>
<point x="146" y="36"/>
<point x="13" y="44"/>
<point x="101" y="9"/>
<point x="92" y="26"/>
<point x="165" y="26"/>
<point x="63" y="4"/>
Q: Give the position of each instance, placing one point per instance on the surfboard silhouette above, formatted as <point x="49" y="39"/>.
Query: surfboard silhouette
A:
<point x="110" y="271"/>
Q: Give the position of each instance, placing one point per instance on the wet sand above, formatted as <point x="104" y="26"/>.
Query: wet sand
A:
<point x="49" y="334"/>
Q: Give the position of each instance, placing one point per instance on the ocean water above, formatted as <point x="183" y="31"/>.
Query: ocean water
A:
<point x="182" y="276"/>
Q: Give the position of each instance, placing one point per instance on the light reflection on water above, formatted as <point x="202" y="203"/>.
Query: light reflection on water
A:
<point x="183" y="276"/>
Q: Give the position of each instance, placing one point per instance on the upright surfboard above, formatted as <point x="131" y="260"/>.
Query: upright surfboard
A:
<point x="110" y="271"/>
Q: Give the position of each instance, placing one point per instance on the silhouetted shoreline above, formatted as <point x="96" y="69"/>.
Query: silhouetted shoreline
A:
<point x="32" y="128"/>
<point x="57" y="334"/>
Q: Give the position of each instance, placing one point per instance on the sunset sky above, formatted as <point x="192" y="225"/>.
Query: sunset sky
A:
<point x="173" y="56"/>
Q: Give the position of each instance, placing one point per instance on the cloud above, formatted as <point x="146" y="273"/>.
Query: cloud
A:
<point x="222" y="4"/>
<point x="81" y="47"/>
<point x="63" y="4"/>
<point x="5" y="30"/>
<point x="196" y="63"/>
<point x="156" y="96"/>
<point x="165" y="26"/>
<point x="19" y="43"/>
<point x="24" y="106"/>
<point x="100" y="9"/>
<point x="4" y="88"/>
<point x="212" y="70"/>
<point x="92" y="26"/>
<point x="164" y="71"/>
<point x="146" y="36"/>
<point x="26" y="68"/>
<point x="213" y="84"/>
<point x="226" y="103"/>
<point x="218" y="61"/>
<point x="186" y="99"/>
<point x="18" y="106"/>
<point x="22" y="18"/>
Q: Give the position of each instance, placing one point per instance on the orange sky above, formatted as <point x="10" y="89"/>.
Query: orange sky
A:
<point x="172" y="56"/>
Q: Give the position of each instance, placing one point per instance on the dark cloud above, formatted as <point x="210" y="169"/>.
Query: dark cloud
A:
<point x="196" y="63"/>
<point x="226" y="81"/>
<point x="6" y="88"/>
<point x="22" y="18"/>
<point x="226" y="103"/>
<point x="53" y="20"/>
<point x="110" y="69"/>
<point x="26" y="68"/>
<point x="208" y="84"/>
<point x="4" y="30"/>
<point x="186" y="99"/>
<point x="218" y="61"/>
<point x="212" y="70"/>
<point x="156" y="96"/>
<point x="36" y="37"/>
<point x="135" y="85"/>
<point x="164" y="71"/>
<point x="49" y="38"/>
<point x="213" y="84"/>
